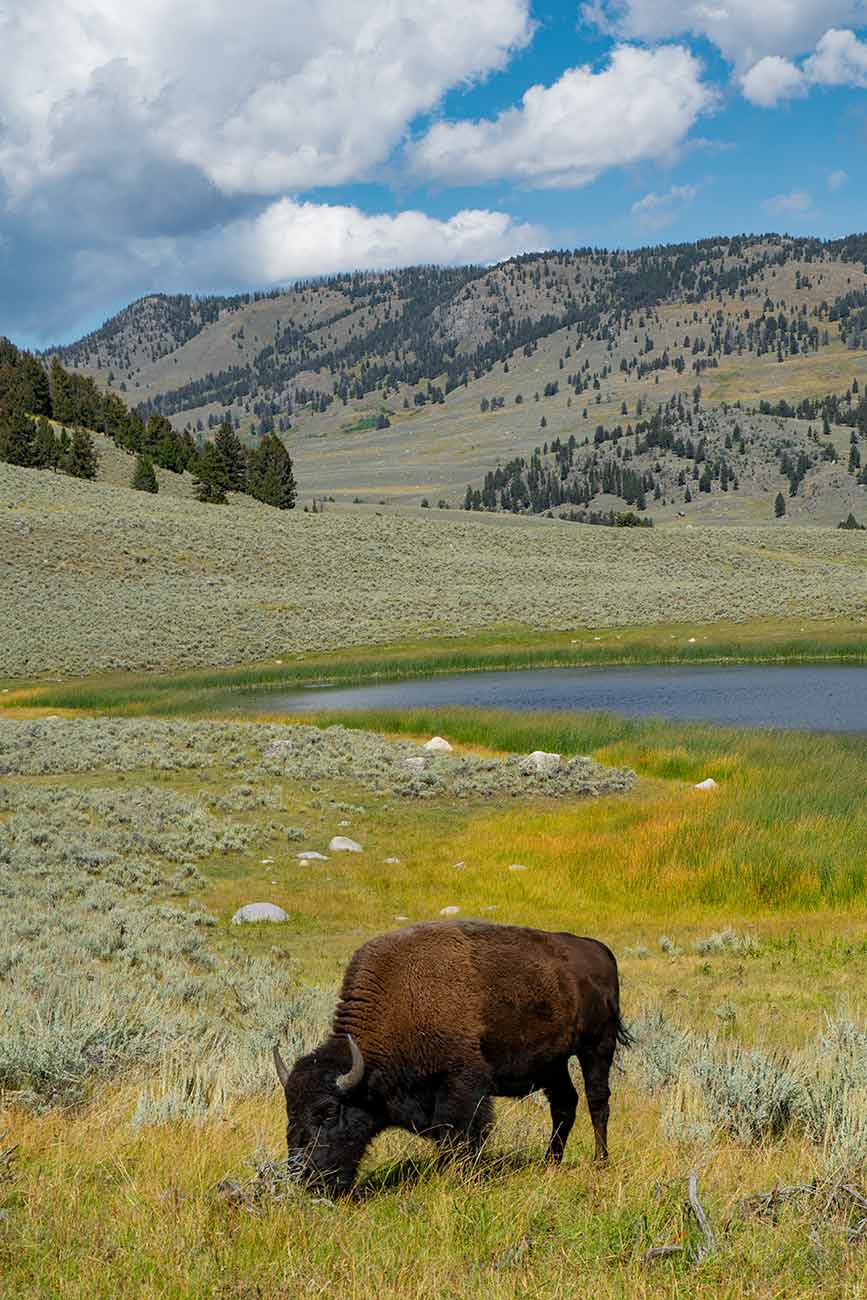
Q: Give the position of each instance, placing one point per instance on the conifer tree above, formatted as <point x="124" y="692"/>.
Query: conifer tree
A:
<point x="231" y="452"/>
<point x="144" y="477"/>
<point x="62" y="397"/>
<point x="17" y="439"/>
<point x="46" y="446"/>
<point x="269" y="476"/>
<point x="81" y="461"/>
<point x="780" y="505"/>
<point x="208" y="477"/>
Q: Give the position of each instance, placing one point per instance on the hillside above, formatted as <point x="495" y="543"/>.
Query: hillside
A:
<point x="415" y="384"/>
<point x="101" y="577"/>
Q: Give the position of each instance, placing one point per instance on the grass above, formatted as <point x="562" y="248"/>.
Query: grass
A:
<point x="96" y="1207"/>
<point x="776" y="641"/>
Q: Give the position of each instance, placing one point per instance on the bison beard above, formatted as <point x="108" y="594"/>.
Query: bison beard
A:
<point x="435" y="1020"/>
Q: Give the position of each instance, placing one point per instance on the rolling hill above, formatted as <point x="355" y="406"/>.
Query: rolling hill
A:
<point x="415" y="384"/>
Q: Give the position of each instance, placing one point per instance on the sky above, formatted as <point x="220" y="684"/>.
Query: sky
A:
<point x="215" y="147"/>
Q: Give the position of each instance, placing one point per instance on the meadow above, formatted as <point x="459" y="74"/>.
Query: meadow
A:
<point x="102" y="579"/>
<point x="141" y="1129"/>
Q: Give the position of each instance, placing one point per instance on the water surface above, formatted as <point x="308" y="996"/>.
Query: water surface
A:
<point x="805" y="698"/>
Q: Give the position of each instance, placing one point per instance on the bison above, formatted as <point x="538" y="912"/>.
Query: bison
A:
<point x="435" y="1019"/>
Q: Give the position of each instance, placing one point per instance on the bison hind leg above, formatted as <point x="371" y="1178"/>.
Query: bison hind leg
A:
<point x="563" y="1100"/>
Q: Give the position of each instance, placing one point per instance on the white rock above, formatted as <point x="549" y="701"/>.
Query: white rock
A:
<point x="417" y="763"/>
<point x="517" y="866"/>
<point x="449" y="911"/>
<point x="540" y="761"/>
<point x="459" y="866"/>
<point x="259" y="912"/>
<point x="708" y="784"/>
<point x="344" y="823"/>
<point x="310" y="855"/>
<point x="343" y="844"/>
<point x="264" y="862"/>
<point x="438" y="745"/>
<point x="401" y="918"/>
<point x="391" y="862"/>
<point x="691" y="641"/>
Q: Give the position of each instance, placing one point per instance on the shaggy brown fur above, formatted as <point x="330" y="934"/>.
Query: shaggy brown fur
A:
<point x="447" y="1015"/>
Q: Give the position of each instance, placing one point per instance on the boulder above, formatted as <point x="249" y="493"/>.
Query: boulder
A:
<point x="310" y="855"/>
<point x="540" y="762"/>
<point x="449" y="911"/>
<point x="259" y="912"/>
<point x="438" y="745"/>
<point x="343" y="844"/>
<point x="517" y="866"/>
<point x="417" y="763"/>
<point x="708" y="784"/>
<point x="391" y="862"/>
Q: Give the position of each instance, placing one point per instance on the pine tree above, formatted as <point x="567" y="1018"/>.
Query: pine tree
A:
<point x="17" y="439"/>
<point x="46" y="445"/>
<point x="231" y="452"/>
<point x="81" y="461"/>
<point x="269" y="477"/>
<point x="780" y="505"/>
<point x="62" y="396"/>
<point x="208" y="477"/>
<point x="144" y="477"/>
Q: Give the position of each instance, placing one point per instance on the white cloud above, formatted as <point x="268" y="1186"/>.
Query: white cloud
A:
<point x="291" y="240"/>
<point x="656" y="211"/>
<point x="745" y="31"/>
<point x="784" y="204"/>
<point x="840" y="60"/>
<point x="772" y="79"/>
<point x="259" y="100"/>
<point x="836" y="180"/>
<point x="640" y="106"/>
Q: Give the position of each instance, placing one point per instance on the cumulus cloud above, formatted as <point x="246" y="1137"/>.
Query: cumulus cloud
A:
<point x="639" y="107"/>
<point x="656" y="211"/>
<point x="771" y="80"/>
<point x="745" y="31"/>
<point x="839" y="59"/>
<point x="257" y="100"/>
<point x="291" y="239"/>
<point x="786" y="204"/>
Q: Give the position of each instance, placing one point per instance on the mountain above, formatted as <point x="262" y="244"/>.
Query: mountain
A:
<point x="414" y="384"/>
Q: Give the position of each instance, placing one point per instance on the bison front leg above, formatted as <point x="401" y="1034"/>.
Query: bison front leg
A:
<point x="596" y="1058"/>
<point x="463" y="1114"/>
<point x="563" y="1100"/>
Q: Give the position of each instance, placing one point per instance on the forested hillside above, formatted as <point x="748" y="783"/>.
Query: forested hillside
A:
<point x="446" y="385"/>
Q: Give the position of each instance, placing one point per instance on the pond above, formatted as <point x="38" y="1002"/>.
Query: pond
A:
<point x="807" y="698"/>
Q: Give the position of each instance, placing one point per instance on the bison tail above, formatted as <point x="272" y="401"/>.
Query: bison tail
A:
<point x="624" y="1037"/>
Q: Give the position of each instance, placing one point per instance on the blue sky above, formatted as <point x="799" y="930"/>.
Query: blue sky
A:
<point x="150" y="148"/>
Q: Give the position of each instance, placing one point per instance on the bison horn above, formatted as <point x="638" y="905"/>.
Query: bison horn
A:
<point x="282" y="1072"/>
<point x="346" y="1082"/>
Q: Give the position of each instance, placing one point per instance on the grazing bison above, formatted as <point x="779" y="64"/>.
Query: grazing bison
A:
<point x="435" y="1019"/>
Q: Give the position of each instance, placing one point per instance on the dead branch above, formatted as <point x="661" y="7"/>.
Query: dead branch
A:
<point x="707" y="1246"/>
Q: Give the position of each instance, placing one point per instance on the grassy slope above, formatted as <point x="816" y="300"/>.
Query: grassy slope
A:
<point x="99" y="1210"/>
<point x="102" y="578"/>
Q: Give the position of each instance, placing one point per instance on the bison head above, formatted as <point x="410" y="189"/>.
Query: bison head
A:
<point x="327" y="1126"/>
